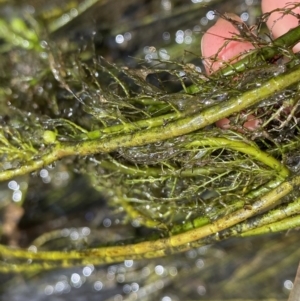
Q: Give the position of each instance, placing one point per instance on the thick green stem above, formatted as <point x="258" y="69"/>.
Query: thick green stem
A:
<point x="247" y="148"/>
<point x="290" y="39"/>
<point x="286" y="224"/>
<point x="164" y="246"/>
<point x="276" y="220"/>
<point x="170" y="130"/>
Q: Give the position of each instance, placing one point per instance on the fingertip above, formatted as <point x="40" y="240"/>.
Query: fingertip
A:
<point x="216" y="47"/>
<point x="278" y="22"/>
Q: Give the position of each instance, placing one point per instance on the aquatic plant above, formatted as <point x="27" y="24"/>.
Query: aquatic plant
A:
<point x="154" y="152"/>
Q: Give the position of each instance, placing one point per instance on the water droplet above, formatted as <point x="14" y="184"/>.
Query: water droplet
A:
<point x="74" y="235"/>
<point x="199" y="263"/>
<point x="210" y="15"/>
<point x="126" y="288"/>
<point x="119" y="39"/>
<point x="13" y="185"/>
<point x="127" y="36"/>
<point x="107" y="222"/>
<point x="98" y="285"/>
<point x="49" y="289"/>
<point x="244" y="16"/>
<point x="166" y="36"/>
<point x="159" y="270"/>
<point x="128" y="263"/>
<point x="204" y="21"/>
<point x="87" y="271"/>
<point x="135" y="287"/>
<point x="288" y="284"/>
<point x="201" y="290"/>
<point x="73" y="12"/>
<point x="17" y="196"/>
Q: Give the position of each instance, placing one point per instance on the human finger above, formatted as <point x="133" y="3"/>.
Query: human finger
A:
<point x="221" y="44"/>
<point x="280" y="22"/>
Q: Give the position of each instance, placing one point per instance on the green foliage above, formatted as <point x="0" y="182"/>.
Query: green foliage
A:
<point x="157" y="154"/>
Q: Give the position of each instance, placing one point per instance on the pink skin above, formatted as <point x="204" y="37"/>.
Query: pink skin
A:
<point x="217" y="49"/>
<point x="278" y="22"/>
<point x="216" y="46"/>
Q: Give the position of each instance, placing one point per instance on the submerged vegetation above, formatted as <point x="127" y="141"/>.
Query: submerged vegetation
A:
<point x="146" y="139"/>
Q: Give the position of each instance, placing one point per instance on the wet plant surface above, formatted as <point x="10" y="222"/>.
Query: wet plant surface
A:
<point x="117" y="182"/>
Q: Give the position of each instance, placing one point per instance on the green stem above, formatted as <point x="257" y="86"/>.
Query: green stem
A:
<point x="133" y="126"/>
<point x="290" y="39"/>
<point x="257" y="56"/>
<point x="159" y="247"/>
<point x="174" y="129"/>
<point x="253" y="151"/>
<point x="114" y="165"/>
<point x="276" y="220"/>
<point x="288" y="223"/>
<point x="247" y="148"/>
